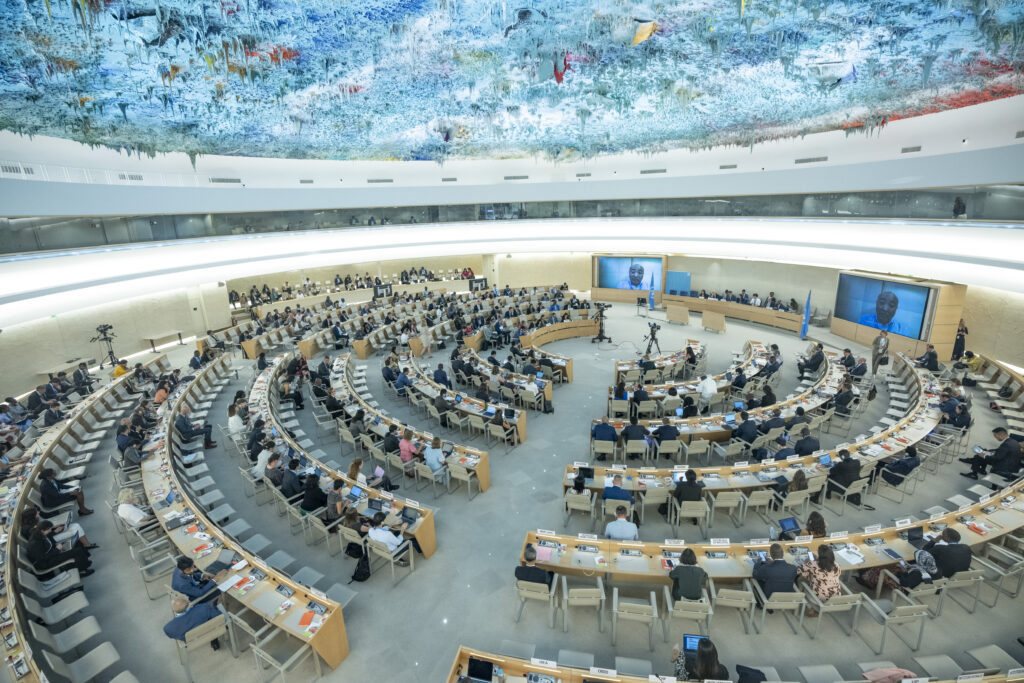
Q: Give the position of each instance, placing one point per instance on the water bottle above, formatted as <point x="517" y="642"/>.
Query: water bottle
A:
<point x="773" y="533"/>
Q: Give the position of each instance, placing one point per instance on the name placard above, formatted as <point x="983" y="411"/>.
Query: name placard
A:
<point x="768" y="461"/>
<point x="964" y="678"/>
<point x="546" y="532"/>
<point x="839" y="534"/>
<point x="386" y="495"/>
<point x="985" y="498"/>
<point x="602" y="672"/>
<point x="577" y="463"/>
<point x="902" y="522"/>
<point x="791" y="457"/>
<point x="741" y="464"/>
<point x="680" y="468"/>
<point x="804" y="539"/>
<point x="588" y="537"/>
<point x="1014" y="674"/>
<point x="964" y="508"/>
<point x="674" y="541"/>
<point x="544" y="662"/>
<point x="759" y="541"/>
<point x="937" y="515"/>
<point x="412" y="503"/>
<point x="617" y="468"/>
<point x="914" y="680"/>
<point x="719" y="541"/>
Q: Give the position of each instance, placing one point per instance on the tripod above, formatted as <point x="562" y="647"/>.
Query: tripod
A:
<point x="652" y="341"/>
<point x="107" y="338"/>
<point x="600" y="329"/>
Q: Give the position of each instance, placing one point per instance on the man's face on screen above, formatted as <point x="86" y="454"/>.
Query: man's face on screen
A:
<point x="636" y="274"/>
<point x="885" y="307"/>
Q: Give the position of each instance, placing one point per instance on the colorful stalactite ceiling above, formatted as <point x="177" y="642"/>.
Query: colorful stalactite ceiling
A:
<point x="437" y="79"/>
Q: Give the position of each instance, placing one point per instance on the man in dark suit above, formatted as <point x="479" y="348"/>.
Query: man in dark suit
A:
<point x="319" y="390"/>
<point x="603" y="431"/>
<point x="951" y="556"/>
<point x="631" y="432"/>
<point x="807" y="443"/>
<point x="37" y="401"/>
<point x="333" y="405"/>
<point x="391" y="440"/>
<point x="291" y="482"/>
<point x="798" y="418"/>
<point x="848" y="361"/>
<point x="740" y="380"/>
<point x="775" y="575"/>
<point x="196" y="362"/>
<point x="646" y="363"/>
<point x="665" y="432"/>
<point x="813" y="363"/>
<point x="441" y="377"/>
<point x="388" y="372"/>
<point x="861" y="368"/>
<point x="529" y="369"/>
<point x="843" y="473"/>
<point x="929" y="360"/>
<point x="323" y="371"/>
<point x="616" y="492"/>
<point x="771" y="423"/>
<point x="1005" y="459"/>
<point x="189" y="431"/>
<point x="187" y="618"/>
<point x="689" y="489"/>
<point x="844" y="399"/>
<point x="746" y="429"/>
<point x="83" y="380"/>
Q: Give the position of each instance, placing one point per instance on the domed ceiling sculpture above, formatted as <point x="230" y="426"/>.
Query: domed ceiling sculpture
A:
<point x="440" y="79"/>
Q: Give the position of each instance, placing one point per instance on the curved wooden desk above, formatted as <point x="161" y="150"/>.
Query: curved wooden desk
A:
<point x="470" y="458"/>
<point x="58" y="439"/>
<point x="667" y="362"/>
<point x="730" y="309"/>
<point x="522" y="382"/>
<point x="330" y="640"/>
<point x="584" y="327"/>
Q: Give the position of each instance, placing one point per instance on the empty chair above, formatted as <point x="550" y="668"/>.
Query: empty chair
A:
<point x="781" y="601"/>
<point x="900" y="616"/>
<point x="820" y="673"/>
<point x="585" y="596"/>
<point x="632" y="609"/>
<point x="848" y="601"/>
<point x="56" y="612"/>
<point x="68" y="639"/>
<point x="86" y="668"/>
<point x="627" y="666"/>
<point x="699" y="611"/>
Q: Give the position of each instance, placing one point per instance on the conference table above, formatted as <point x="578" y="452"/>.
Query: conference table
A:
<point x="629" y="370"/>
<point x="732" y="309"/>
<point x="305" y="614"/>
<point x="583" y="327"/>
<point x="523" y="383"/>
<point x="378" y="422"/>
<point x="50" y="448"/>
<point x="263" y="399"/>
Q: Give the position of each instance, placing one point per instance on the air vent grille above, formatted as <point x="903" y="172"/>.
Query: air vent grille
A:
<point x="810" y="160"/>
<point x="582" y="175"/>
<point x="910" y="150"/>
<point x="649" y="171"/>
<point x="228" y="181"/>
<point x="305" y="181"/>
<point x="449" y="180"/>
<point x="137" y="177"/>
<point x="726" y="167"/>
<point x="517" y="177"/>
<point x="380" y="180"/>
<point x="7" y="168"/>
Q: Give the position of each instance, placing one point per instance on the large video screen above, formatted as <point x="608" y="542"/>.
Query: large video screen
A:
<point x="629" y="272"/>
<point x="885" y="305"/>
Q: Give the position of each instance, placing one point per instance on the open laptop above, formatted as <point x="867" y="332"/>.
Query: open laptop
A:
<point x="825" y="461"/>
<point x="165" y="502"/>
<point x="730" y="419"/>
<point x="915" y="537"/>
<point x="225" y="559"/>
<point x="354" y="494"/>
<point x="479" y="670"/>
<point x="738" y="405"/>
<point x="587" y="472"/>
<point x="679" y="411"/>
<point x="690" y="644"/>
<point x="410" y="515"/>
<point x="789" y="524"/>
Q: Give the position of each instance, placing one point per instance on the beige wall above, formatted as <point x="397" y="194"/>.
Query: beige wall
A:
<point x="995" y="322"/>
<point x="43" y="344"/>
<point x="519" y="270"/>
<point x="787" y="281"/>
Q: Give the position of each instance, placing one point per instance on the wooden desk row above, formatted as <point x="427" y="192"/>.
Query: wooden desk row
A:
<point x="516" y="670"/>
<point x="755" y="357"/>
<point x="49" y="448"/>
<point x="424" y="384"/>
<point x="584" y="327"/>
<point x="253" y="583"/>
<point x="715" y="428"/>
<point x="730" y="561"/>
<point x="522" y="382"/>
<point x="731" y="309"/>
<point x="262" y="397"/>
<point x="629" y="370"/>
<point x="465" y="456"/>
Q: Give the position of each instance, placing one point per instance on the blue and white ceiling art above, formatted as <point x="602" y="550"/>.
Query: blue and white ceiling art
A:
<point x="437" y="79"/>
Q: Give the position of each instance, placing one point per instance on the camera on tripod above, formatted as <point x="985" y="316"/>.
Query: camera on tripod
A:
<point x="654" y="326"/>
<point x="103" y="329"/>
<point x="602" y="307"/>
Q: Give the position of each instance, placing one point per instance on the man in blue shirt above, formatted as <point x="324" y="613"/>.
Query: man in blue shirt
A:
<point x="616" y="492"/>
<point x="621" y="529"/>
<point x="948" y="404"/>
<point x="187" y="618"/>
<point x="402" y="381"/>
<point x="189" y="431"/>
<point x="666" y="432"/>
<point x="190" y="581"/>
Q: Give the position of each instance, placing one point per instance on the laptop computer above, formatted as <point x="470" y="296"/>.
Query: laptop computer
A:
<point x="375" y="504"/>
<point x="915" y="537"/>
<point x="540" y="375"/>
<point x="738" y="405"/>
<point x="690" y="644"/>
<point x="354" y="494"/>
<point x="730" y="419"/>
<point x="165" y="502"/>
<point x="225" y="559"/>
<point x="587" y="472"/>
<point x="679" y="411"/>
<point x="789" y="524"/>
<point x="825" y="461"/>
<point x="410" y="515"/>
<point x="480" y="670"/>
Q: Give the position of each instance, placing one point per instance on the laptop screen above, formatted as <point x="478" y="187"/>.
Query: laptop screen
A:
<point x="738" y="405"/>
<point x="678" y="476"/>
<point x="679" y="411"/>
<point x="915" y="533"/>
<point x="355" y="492"/>
<point x="479" y="669"/>
<point x="587" y="472"/>
<point x="789" y="524"/>
<point x="540" y="375"/>
<point x="690" y="642"/>
<point x="730" y="419"/>
<point x="825" y="460"/>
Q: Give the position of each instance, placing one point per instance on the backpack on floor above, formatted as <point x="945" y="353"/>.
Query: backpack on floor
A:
<point x="353" y="549"/>
<point x="548" y="407"/>
<point x="362" y="572"/>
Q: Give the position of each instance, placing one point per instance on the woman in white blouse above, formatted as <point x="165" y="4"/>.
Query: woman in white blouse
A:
<point x="235" y="423"/>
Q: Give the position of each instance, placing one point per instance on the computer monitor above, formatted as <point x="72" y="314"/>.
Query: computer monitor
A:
<point x="480" y="670"/>
<point x="540" y="375"/>
<point x="915" y="533"/>
<point x="691" y="642"/>
<point x="738" y="405"/>
<point x="789" y="524"/>
<point x="678" y="476"/>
